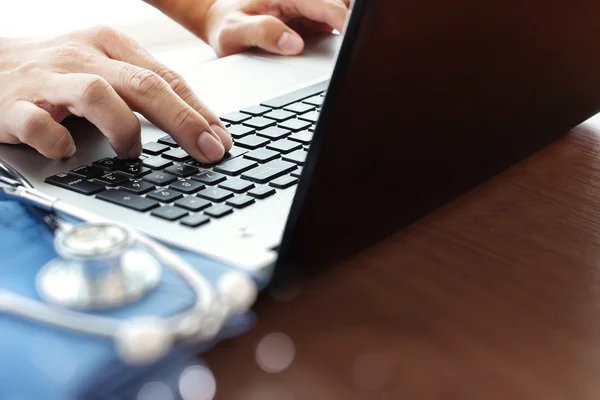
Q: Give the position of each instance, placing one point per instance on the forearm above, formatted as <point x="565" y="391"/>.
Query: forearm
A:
<point x="189" y="13"/>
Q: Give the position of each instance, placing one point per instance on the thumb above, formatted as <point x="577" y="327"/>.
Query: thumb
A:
<point x="270" y="34"/>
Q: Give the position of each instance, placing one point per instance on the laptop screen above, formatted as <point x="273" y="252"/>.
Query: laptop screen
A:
<point x="427" y="100"/>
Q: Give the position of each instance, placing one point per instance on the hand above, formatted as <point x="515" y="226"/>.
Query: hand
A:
<point x="104" y="76"/>
<point x="231" y="26"/>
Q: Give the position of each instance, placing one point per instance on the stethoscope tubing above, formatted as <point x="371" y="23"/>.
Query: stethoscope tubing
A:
<point x="202" y="321"/>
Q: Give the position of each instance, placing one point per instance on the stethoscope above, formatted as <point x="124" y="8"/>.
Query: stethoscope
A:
<point x="104" y="264"/>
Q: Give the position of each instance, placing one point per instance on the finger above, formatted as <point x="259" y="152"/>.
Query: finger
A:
<point x="306" y="26"/>
<point x="150" y="95"/>
<point x="93" y="98"/>
<point x="331" y="12"/>
<point x="124" y="48"/>
<point x="36" y="128"/>
<point x="6" y="131"/>
<point x="265" y="32"/>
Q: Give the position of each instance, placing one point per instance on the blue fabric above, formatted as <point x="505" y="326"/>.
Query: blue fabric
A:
<point x="41" y="362"/>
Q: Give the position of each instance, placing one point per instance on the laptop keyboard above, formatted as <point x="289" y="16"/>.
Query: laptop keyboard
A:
<point x="270" y="147"/>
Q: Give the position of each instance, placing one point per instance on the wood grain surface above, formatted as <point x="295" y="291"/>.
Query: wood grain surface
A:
<point x="494" y="296"/>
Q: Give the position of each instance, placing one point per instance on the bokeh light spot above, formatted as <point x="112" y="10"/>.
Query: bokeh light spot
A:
<point x="155" y="391"/>
<point x="275" y="352"/>
<point x="197" y="383"/>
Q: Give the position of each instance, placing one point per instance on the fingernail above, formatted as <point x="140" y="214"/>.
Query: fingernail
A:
<point x="72" y="151"/>
<point x="223" y="135"/>
<point x="212" y="149"/>
<point x="289" y="43"/>
<point x="214" y="128"/>
<point x="135" y="151"/>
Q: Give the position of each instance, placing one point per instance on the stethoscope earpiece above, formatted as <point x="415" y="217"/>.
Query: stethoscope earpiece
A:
<point x="239" y="291"/>
<point x="142" y="341"/>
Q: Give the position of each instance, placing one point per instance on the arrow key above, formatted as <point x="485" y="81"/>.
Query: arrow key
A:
<point x="164" y="195"/>
<point x="169" y="213"/>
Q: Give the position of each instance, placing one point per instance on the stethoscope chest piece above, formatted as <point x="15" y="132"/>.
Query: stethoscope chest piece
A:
<point x="99" y="268"/>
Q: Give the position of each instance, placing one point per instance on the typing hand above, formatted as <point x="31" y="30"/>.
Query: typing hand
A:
<point x="104" y="76"/>
<point x="231" y="26"/>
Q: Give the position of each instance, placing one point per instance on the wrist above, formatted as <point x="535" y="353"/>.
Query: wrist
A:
<point x="191" y="14"/>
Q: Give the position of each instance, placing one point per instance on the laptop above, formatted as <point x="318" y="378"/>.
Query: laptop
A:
<point x="336" y="149"/>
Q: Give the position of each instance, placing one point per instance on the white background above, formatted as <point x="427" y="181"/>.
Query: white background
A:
<point x="22" y="18"/>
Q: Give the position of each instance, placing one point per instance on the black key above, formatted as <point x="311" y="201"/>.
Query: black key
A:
<point x="239" y="131"/>
<point x="187" y="187"/>
<point x="218" y="211"/>
<point x="164" y="195"/>
<point x="215" y="194"/>
<point x="168" y="140"/>
<point x="169" y="213"/>
<point x="251" y="142"/>
<point x="88" y="172"/>
<point x="297" y="173"/>
<point x="74" y="183"/>
<point x="194" y="221"/>
<point x="235" y="117"/>
<point x="312" y="116"/>
<point x="296" y="96"/>
<point x="261" y="192"/>
<point x="280" y="115"/>
<point x="176" y="155"/>
<point x="154" y="148"/>
<point x="197" y="164"/>
<point x="193" y="203"/>
<point x="240" y="201"/>
<point x="132" y="201"/>
<point x="259" y="123"/>
<point x="137" y="187"/>
<point x="156" y="163"/>
<point x="209" y="177"/>
<point x="108" y="163"/>
<point x="315" y="101"/>
<point x="284" y="182"/>
<point x="233" y="153"/>
<point x="295" y="125"/>
<point x="312" y="128"/>
<point x="235" y="166"/>
<point x="237" y="185"/>
<point x="121" y="161"/>
<point x="271" y="170"/>
<point x="304" y="137"/>
<point x="160" y="178"/>
<point x="299" y="108"/>
<point x="256" y="111"/>
<point x="262" y="155"/>
<point x="298" y="157"/>
<point x="111" y="179"/>
<point x="133" y="170"/>
<point x="182" y="170"/>
<point x="284" y="146"/>
<point x="274" y="133"/>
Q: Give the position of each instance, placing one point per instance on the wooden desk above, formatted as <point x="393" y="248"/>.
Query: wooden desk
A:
<point x="495" y="296"/>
